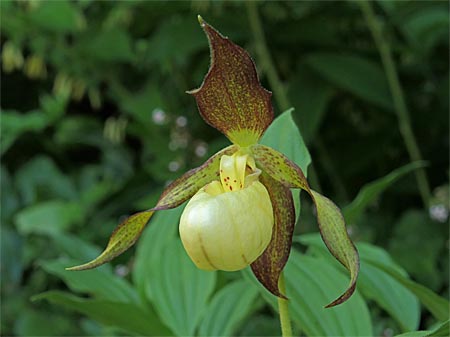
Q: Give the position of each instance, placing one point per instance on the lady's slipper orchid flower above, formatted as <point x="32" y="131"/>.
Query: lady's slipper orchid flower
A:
<point x="241" y="209"/>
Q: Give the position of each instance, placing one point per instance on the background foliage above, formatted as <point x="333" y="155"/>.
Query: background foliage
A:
<point x="95" y="122"/>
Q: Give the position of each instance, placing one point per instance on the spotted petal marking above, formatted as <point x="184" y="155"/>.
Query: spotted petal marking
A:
<point x="231" y="98"/>
<point x="189" y="183"/>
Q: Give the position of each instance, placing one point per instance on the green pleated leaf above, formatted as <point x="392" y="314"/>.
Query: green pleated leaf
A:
<point x="268" y="267"/>
<point x="164" y="228"/>
<point x="329" y="217"/>
<point x="311" y="282"/>
<point x="228" y="309"/>
<point x="437" y="305"/>
<point x="358" y="75"/>
<point x="180" y="291"/>
<point x="189" y="183"/>
<point x="100" y="283"/>
<point x="231" y="98"/>
<point x="442" y="330"/>
<point x="128" y="316"/>
<point x="374" y="283"/>
<point x="123" y="237"/>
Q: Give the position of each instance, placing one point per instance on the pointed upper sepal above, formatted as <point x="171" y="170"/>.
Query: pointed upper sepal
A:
<point x="268" y="267"/>
<point x="231" y="98"/>
<point x="331" y="222"/>
<point x="123" y="237"/>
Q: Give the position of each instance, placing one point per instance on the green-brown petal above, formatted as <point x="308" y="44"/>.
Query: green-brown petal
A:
<point x="268" y="267"/>
<point x="123" y="237"/>
<point x="231" y="98"/>
<point x="127" y="233"/>
<point x="331" y="222"/>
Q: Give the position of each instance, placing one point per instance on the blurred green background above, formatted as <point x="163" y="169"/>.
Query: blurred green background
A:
<point x="95" y="122"/>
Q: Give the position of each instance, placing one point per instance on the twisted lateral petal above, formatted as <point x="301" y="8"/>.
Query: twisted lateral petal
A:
<point x="189" y="183"/>
<point x="231" y="98"/>
<point x="268" y="267"/>
<point x="123" y="237"/>
<point x="334" y="234"/>
<point x="331" y="222"/>
<point x="126" y="234"/>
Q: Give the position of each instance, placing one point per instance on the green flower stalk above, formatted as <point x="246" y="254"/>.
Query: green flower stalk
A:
<point x="241" y="210"/>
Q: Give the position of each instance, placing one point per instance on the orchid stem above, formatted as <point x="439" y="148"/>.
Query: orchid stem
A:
<point x="403" y="116"/>
<point x="286" y="329"/>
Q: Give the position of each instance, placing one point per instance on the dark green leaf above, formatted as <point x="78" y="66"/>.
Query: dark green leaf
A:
<point x="100" y="283"/>
<point x="228" y="309"/>
<point x="40" y="178"/>
<point x="163" y="229"/>
<point x="374" y="283"/>
<point x="180" y="290"/>
<point x="371" y="191"/>
<point x="15" y="124"/>
<point x="378" y="258"/>
<point x="127" y="316"/>
<point x="60" y="16"/>
<point x="48" y="217"/>
<point x="353" y="73"/>
<point x="442" y="330"/>
<point x="310" y="284"/>
<point x="113" y="45"/>
<point x="310" y="95"/>
<point x="438" y="306"/>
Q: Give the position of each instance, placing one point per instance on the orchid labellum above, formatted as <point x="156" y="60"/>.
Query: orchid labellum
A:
<point x="241" y="209"/>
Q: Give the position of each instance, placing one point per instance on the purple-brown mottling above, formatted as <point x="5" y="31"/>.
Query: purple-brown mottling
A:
<point x="231" y="98"/>
<point x="279" y="167"/>
<point x="189" y="183"/>
<point x="268" y="267"/>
